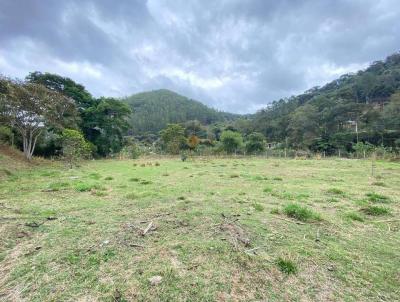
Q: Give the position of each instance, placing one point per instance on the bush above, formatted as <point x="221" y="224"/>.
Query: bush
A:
<point x="74" y="146"/>
<point x="300" y="212"/>
<point x="6" y="135"/>
<point x="255" y="143"/>
<point x="231" y="141"/>
<point x="131" y="150"/>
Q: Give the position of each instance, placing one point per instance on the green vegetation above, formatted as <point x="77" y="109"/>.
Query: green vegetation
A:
<point x="375" y="210"/>
<point x="154" y="110"/>
<point x="286" y="266"/>
<point x="379" y="198"/>
<point x="300" y="212"/>
<point x="68" y="234"/>
<point x="340" y="114"/>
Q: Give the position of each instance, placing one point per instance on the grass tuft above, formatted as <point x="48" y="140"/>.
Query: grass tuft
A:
<point x="300" y="212"/>
<point x="376" y="210"/>
<point x="354" y="216"/>
<point x="131" y="196"/>
<point x="335" y="191"/>
<point x="109" y="178"/>
<point x="258" y="207"/>
<point x="378" y="198"/>
<point x="84" y="187"/>
<point x="267" y="190"/>
<point x="379" y="184"/>
<point x="286" y="266"/>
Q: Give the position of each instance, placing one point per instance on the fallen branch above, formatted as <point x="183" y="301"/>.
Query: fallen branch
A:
<point x="147" y="229"/>
<point x="252" y="250"/>
<point x="136" y="245"/>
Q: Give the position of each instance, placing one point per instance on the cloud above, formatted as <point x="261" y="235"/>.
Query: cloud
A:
<point x="235" y="55"/>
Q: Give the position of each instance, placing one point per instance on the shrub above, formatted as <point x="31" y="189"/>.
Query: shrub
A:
<point x="234" y="175"/>
<point x="300" y="212"/>
<point x="375" y="210"/>
<point x="131" y="149"/>
<point x="277" y="178"/>
<point x="255" y="143"/>
<point x="375" y="197"/>
<point x="6" y="135"/>
<point x="109" y="178"/>
<point x="286" y="266"/>
<point x="134" y="179"/>
<point x="231" y="141"/>
<point x="74" y="146"/>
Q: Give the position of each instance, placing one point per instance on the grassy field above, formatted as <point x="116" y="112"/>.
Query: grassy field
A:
<point x="241" y="229"/>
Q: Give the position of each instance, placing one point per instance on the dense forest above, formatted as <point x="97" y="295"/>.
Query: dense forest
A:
<point x="153" y="110"/>
<point x="357" y="107"/>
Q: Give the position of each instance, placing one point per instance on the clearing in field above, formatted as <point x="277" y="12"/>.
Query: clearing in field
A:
<point x="208" y="229"/>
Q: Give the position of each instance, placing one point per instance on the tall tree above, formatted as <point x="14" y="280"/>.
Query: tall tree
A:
<point x="106" y="124"/>
<point x="30" y="108"/>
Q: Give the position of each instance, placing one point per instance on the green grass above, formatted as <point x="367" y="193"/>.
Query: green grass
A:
<point x="377" y="198"/>
<point x="300" y="212"/>
<point x="375" y="210"/>
<point x="72" y="235"/>
<point x="335" y="191"/>
<point x="286" y="266"/>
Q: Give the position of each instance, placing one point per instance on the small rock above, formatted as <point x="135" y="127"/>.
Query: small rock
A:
<point x="155" y="280"/>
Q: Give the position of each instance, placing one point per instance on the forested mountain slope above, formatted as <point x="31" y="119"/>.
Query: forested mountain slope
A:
<point x="362" y="106"/>
<point x="153" y="110"/>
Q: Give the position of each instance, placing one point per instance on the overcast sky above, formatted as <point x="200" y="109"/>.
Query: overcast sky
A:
<point x="234" y="55"/>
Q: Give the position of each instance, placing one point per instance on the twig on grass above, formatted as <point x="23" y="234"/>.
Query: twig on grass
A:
<point x="147" y="229"/>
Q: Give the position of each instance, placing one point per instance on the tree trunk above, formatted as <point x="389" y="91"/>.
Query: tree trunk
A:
<point x="29" y="143"/>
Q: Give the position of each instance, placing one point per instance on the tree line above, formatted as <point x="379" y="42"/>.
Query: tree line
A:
<point x="50" y="115"/>
<point x="36" y="112"/>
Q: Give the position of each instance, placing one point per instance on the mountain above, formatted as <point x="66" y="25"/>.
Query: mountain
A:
<point x="362" y="106"/>
<point x="153" y="110"/>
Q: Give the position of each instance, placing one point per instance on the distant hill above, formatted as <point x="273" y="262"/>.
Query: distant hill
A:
<point x="153" y="110"/>
<point x="357" y="106"/>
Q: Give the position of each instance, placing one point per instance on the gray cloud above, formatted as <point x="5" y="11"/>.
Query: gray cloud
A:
<point x="235" y="55"/>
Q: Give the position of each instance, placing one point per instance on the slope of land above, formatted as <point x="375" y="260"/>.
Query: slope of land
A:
<point x="326" y="117"/>
<point x="213" y="229"/>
